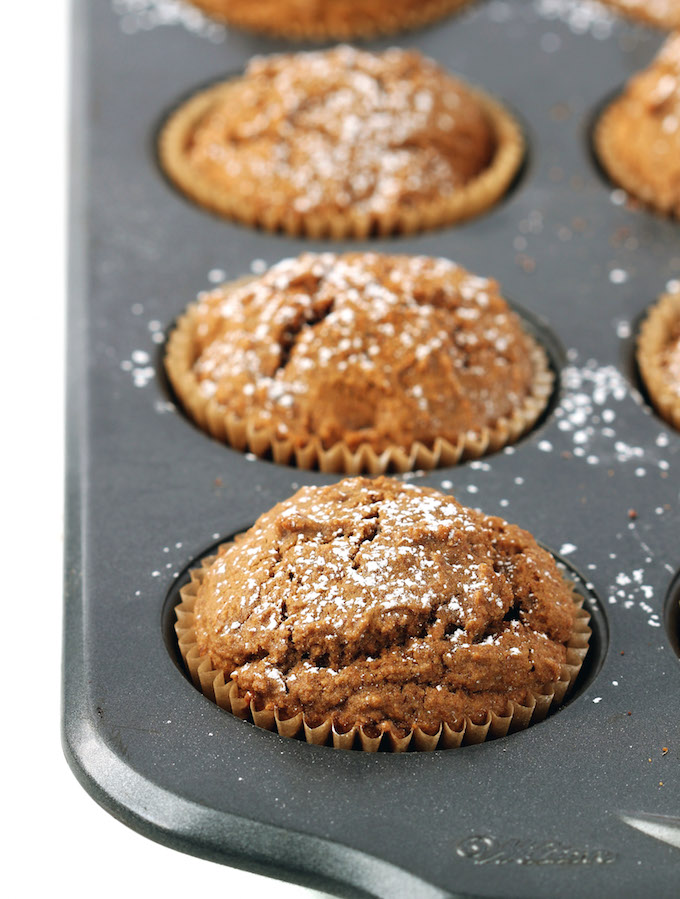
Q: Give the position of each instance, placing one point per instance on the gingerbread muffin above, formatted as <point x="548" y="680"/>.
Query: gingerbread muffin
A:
<point x="662" y="13"/>
<point x="384" y="611"/>
<point x="638" y="137"/>
<point x="658" y="356"/>
<point x="328" y="19"/>
<point x="343" y="143"/>
<point x="359" y="362"/>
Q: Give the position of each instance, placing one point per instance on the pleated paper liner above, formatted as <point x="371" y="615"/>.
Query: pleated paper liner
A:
<point x="657" y="330"/>
<point x="369" y="739"/>
<point x="472" y="199"/>
<point x="329" y="19"/>
<point x="661" y="13"/>
<point x="620" y="172"/>
<point x="216" y="420"/>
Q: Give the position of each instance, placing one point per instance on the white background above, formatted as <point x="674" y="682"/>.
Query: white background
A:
<point x="55" y="837"/>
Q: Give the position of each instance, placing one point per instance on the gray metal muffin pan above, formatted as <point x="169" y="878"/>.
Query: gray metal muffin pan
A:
<point x="586" y="803"/>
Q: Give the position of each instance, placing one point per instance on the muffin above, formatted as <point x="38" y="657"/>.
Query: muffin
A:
<point x="384" y="611"/>
<point x="658" y="356"/>
<point x="328" y="19"/>
<point x="662" y="13"/>
<point x="343" y="143"/>
<point x="638" y="137"/>
<point x="359" y="362"/>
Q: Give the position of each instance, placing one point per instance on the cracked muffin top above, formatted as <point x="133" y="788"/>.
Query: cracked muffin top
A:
<point x="377" y="600"/>
<point x="638" y="137"/>
<point x="339" y="136"/>
<point x="361" y="349"/>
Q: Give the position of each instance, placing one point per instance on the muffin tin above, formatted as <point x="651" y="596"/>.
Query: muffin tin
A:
<point x="583" y="803"/>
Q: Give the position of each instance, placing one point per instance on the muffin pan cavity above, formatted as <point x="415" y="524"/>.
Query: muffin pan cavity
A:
<point x="533" y="325"/>
<point x="672" y="615"/>
<point x="590" y="127"/>
<point x="598" y="645"/>
<point x="637" y="137"/>
<point x="365" y="144"/>
<point x="551" y="811"/>
<point x="598" y="641"/>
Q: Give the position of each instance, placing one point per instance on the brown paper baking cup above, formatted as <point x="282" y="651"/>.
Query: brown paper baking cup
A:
<point x="617" y="168"/>
<point x="662" y="322"/>
<point x="473" y="198"/>
<point x="336" y="21"/>
<point x="386" y="736"/>
<point x="225" y="426"/>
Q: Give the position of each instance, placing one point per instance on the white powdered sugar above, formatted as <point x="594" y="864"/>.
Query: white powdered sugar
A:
<point x="145" y="15"/>
<point x="581" y="16"/>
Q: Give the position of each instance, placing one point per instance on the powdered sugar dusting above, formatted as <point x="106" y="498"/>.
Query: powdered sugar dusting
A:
<point x="390" y="323"/>
<point x="587" y="414"/>
<point x="581" y="16"/>
<point x="592" y="425"/>
<point x="593" y="417"/>
<point x="369" y="574"/>
<point x="145" y="15"/>
<point x="342" y="130"/>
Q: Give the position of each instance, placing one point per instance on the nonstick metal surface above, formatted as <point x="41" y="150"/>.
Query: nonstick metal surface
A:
<point x="586" y="803"/>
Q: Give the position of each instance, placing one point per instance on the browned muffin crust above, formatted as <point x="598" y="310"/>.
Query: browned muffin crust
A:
<point x="662" y="13"/>
<point x="376" y="602"/>
<point x="359" y="350"/>
<point x="322" y="19"/>
<point x="658" y="355"/>
<point x="671" y="362"/>
<point x="638" y="136"/>
<point x="343" y="142"/>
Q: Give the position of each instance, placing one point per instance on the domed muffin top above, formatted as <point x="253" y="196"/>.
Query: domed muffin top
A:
<point x="377" y="600"/>
<point x="343" y="129"/>
<point x="364" y="348"/>
<point x="638" y="137"/>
